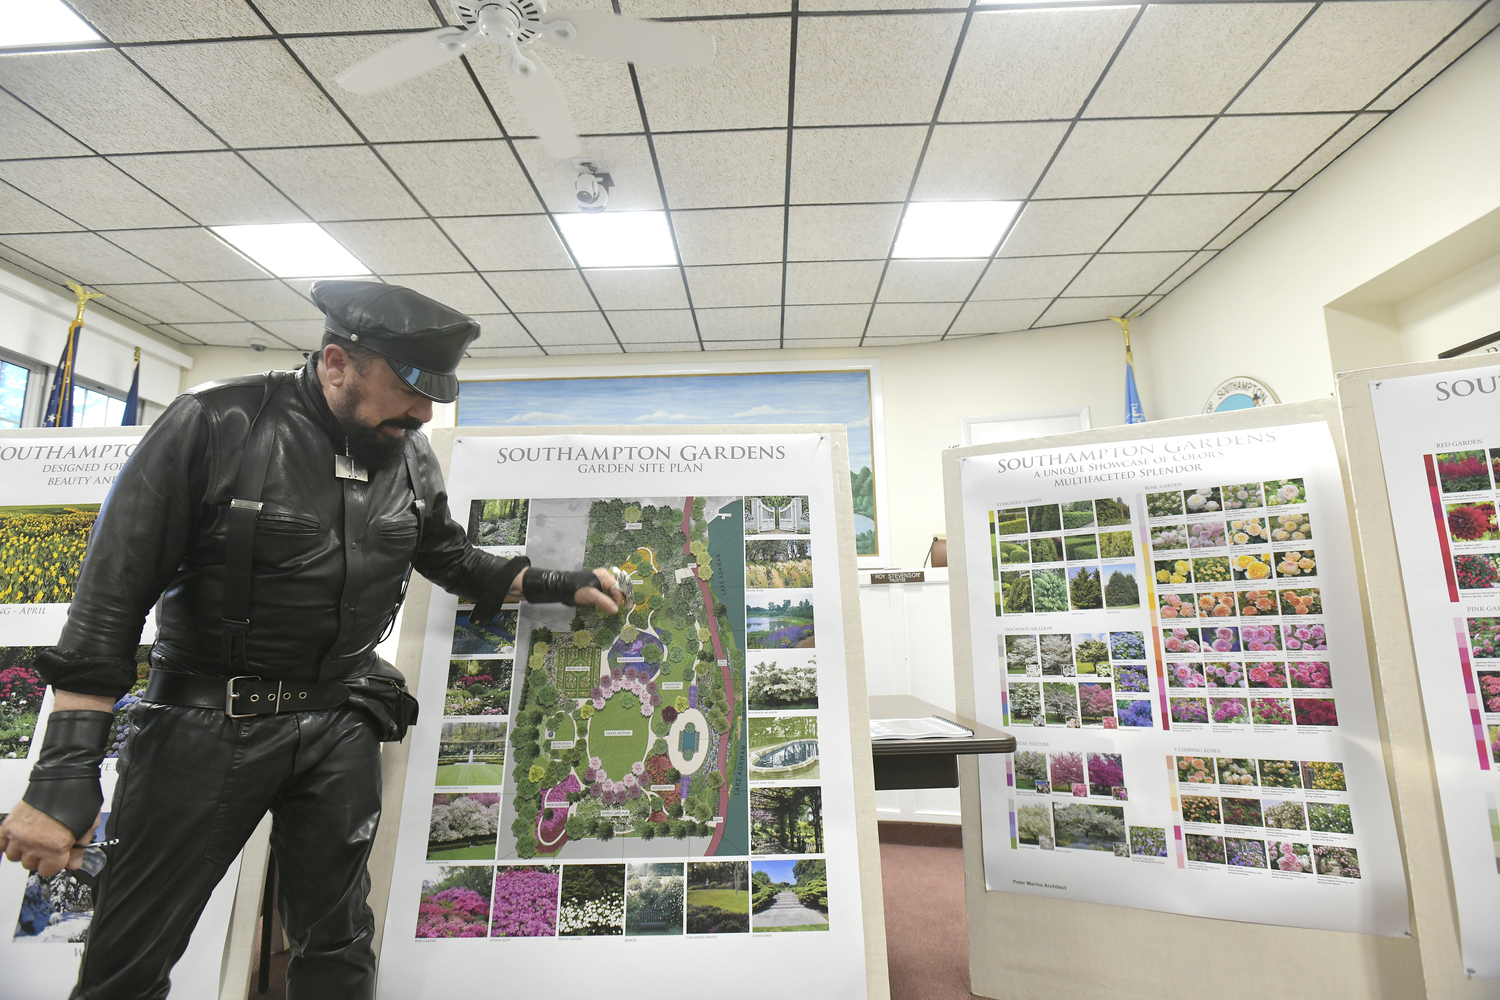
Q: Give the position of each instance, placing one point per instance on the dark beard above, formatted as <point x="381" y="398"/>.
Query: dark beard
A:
<point x="366" y="444"/>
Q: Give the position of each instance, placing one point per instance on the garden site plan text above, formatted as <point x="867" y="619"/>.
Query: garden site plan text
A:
<point x="1440" y="446"/>
<point x="1171" y="628"/>
<point x="669" y="786"/>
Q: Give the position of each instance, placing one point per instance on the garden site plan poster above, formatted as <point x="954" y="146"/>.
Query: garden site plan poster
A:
<point x="1440" y="447"/>
<point x="667" y="790"/>
<point x="1172" y="629"/>
<point x="51" y="488"/>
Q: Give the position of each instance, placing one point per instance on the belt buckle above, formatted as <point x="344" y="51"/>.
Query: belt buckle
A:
<point x="230" y="694"/>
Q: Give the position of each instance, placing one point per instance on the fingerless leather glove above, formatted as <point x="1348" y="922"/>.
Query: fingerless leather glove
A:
<point x="65" y="780"/>
<point x="556" y="586"/>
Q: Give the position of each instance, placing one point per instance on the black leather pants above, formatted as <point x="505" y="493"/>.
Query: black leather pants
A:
<point x="193" y="785"/>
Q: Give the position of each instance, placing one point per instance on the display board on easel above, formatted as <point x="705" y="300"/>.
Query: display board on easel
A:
<point x="1204" y="739"/>
<point x="1423" y="442"/>
<point x="52" y="483"/>
<point x="674" y="786"/>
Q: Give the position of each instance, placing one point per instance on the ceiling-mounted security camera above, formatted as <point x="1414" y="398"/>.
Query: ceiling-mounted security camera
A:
<point x="591" y="190"/>
<point x="257" y="345"/>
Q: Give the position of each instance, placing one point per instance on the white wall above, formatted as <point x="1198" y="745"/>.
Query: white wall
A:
<point x="34" y="319"/>
<point x="1257" y="309"/>
<point x="926" y="388"/>
<point x="1457" y="311"/>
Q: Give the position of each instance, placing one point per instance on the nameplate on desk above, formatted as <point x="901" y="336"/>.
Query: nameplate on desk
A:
<point x="905" y="576"/>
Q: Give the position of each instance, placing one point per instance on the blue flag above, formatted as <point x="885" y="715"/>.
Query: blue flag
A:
<point x="1134" y="414"/>
<point x="133" y="398"/>
<point x="59" y="412"/>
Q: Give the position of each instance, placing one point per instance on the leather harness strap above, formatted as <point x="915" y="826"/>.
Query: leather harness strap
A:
<point x="239" y="536"/>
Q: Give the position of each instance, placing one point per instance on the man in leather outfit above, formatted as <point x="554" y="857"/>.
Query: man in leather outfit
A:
<point x="265" y="691"/>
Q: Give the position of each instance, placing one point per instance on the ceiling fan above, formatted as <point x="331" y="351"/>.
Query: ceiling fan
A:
<point x="515" y="26"/>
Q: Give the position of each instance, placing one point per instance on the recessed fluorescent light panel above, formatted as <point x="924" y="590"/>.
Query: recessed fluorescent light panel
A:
<point x="935" y="229"/>
<point x="619" y="239"/>
<point x="293" y="250"/>
<point x="43" y="22"/>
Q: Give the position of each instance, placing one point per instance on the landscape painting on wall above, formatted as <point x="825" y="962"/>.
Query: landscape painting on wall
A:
<point x="849" y="397"/>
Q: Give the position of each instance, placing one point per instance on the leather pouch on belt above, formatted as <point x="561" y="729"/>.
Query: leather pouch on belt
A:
<point x="382" y="694"/>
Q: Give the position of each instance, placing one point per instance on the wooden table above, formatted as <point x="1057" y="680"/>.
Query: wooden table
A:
<point x="927" y="763"/>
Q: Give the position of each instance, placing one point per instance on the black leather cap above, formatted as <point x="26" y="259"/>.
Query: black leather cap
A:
<point x="422" y="339"/>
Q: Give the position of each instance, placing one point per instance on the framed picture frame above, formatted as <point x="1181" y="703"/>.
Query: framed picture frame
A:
<point x="842" y="392"/>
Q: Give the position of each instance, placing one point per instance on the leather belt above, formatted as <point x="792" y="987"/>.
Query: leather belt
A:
<point x="242" y="697"/>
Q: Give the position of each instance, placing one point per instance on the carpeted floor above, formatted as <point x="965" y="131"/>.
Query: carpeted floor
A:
<point x="927" y="940"/>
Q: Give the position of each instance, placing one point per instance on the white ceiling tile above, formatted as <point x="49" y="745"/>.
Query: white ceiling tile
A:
<point x="148" y="22"/>
<point x="729" y="235"/>
<point x="900" y="340"/>
<point x="464" y="291"/>
<point x="29" y="134"/>
<point x="84" y="257"/>
<point x="169" y="332"/>
<point x="735" y="285"/>
<point x="999" y="316"/>
<point x="841" y="232"/>
<point x="1249" y="154"/>
<point x="598" y="93"/>
<point x="102" y="100"/>
<point x="859" y="5"/>
<point x="506" y="352"/>
<point x="791" y="343"/>
<point x="638" y="287"/>
<point x="193" y="254"/>
<point x="745" y="345"/>
<point x="911" y="319"/>
<point x="561" y="350"/>
<point x="986" y="162"/>
<point x="723" y="169"/>
<point x="872" y="70"/>
<point x="216" y="189"/>
<point x="1191" y="59"/>
<point x="303" y="334"/>
<point x="1125" y="273"/>
<point x="820" y="322"/>
<point x="259" y="300"/>
<point x="702" y="8"/>
<point x="500" y="330"/>
<point x="654" y="326"/>
<point x="92" y="192"/>
<point x="251" y="93"/>
<point x="231" y="334"/>
<point x="34" y="266"/>
<point x="1330" y="150"/>
<point x="833" y="281"/>
<point x="1119" y="157"/>
<point x="1065" y="311"/>
<point x="1252" y="215"/>
<point x="120" y="309"/>
<point x="1440" y="58"/>
<point x="758" y="324"/>
<point x="1146" y="304"/>
<point x="542" y="291"/>
<point x="746" y="87"/>
<point x="1018" y="65"/>
<point x="296" y="16"/>
<point x="1178" y="222"/>
<point x="399" y="246"/>
<point x="336" y="183"/>
<point x="854" y="164"/>
<point x="1347" y="53"/>
<point x="1187" y="270"/>
<point x="674" y="347"/>
<point x="557" y="329"/>
<point x="170" y="303"/>
<point x="443" y="104"/>
<point x="627" y="160"/>
<point x="1028" y="277"/>
<point x="930" y="280"/>
<point x="21" y="213"/>
<point x="508" y="242"/>
<point x="1064" y="227"/>
<point x="463" y="178"/>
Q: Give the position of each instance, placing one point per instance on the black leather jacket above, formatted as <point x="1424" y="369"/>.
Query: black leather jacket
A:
<point x="326" y="578"/>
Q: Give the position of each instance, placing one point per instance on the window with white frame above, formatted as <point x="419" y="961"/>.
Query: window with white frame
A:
<point x="13" y="381"/>
<point x="95" y="408"/>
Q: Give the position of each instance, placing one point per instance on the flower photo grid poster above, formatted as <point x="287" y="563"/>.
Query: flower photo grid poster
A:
<point x="672" y="782"/>
<point x="1172" y="629"/>
<point x="1440" y="446"/>
<point x="51" y="489"/>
